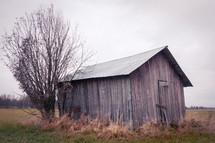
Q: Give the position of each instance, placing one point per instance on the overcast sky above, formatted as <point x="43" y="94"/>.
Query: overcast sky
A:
<point x="119" y="28"/>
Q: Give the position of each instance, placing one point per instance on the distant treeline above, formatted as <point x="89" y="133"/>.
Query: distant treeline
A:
<point x="10" y="101"/>
<point x="199" y="107"/>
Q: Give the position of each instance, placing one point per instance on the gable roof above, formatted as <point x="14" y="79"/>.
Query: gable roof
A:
<point x="125" y="66"/>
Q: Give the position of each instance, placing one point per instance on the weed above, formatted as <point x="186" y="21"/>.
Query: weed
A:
<point x="96" y="130"/>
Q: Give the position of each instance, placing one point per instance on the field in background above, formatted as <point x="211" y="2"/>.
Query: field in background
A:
<point x="12" y="131"/>
<point x="14" y="116"/>
<point x="200" y="114"/>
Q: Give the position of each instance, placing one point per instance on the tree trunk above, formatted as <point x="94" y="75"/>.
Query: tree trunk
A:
<point x="65" y="99"/>
<point x="49" y="107"/>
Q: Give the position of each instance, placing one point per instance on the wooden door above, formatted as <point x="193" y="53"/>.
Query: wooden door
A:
<point x="162" y="100"/>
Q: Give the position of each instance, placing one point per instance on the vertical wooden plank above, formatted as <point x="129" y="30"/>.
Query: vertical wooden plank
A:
<point x="134" y="97"/>
<point x="145" y="89"/>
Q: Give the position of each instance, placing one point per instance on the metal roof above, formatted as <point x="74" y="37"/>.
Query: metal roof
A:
<point x="125" y="66"/>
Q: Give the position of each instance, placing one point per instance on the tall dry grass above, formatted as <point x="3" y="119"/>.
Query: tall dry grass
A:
<point x="109" y="130"/>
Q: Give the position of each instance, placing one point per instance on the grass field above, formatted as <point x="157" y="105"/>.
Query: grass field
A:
<point x="201" y="114"/>
<point x="12" y="130"/>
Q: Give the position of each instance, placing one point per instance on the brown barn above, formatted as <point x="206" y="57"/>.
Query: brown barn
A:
<point x="136" y="89"/>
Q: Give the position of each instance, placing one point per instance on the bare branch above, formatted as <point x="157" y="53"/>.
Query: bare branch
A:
<point x="40" y="50"/>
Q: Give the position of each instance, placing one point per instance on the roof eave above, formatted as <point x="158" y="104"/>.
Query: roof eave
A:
<point x="186" y="82"/>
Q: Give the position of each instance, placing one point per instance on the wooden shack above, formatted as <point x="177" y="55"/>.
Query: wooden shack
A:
<point x="136" y="89"/>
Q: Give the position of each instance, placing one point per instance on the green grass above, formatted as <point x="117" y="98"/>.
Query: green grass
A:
<point x="26" y="134"/>
<point x="23" y="134"/>
<point x="190" y="138"/>
<point x="11" y="131"/>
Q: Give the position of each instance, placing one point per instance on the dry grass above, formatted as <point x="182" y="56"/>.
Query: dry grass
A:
<point x="108" y="130"/>
<point x="203" y="115"/>
<point x="199" y="122"/>
<point x="14" y="116"/>
<point x="101" y="128"/>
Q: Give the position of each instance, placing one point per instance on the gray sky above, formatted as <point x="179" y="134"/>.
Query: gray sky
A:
<point x="119" y="28"/>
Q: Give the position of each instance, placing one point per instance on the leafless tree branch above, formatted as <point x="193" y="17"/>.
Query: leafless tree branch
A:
<point x="41" y="50"/>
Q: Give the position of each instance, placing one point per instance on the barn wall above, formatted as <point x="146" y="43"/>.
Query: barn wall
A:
<point x="108" y="98"/>
<point x="144" y="85"/>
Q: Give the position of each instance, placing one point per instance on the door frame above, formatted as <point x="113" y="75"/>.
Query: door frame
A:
<point x="162" y="108"/>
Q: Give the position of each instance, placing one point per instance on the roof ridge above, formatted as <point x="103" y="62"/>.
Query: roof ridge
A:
<point x="126" y="65"/>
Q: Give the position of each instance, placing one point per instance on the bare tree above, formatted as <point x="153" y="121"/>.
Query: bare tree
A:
<point x="41" y="50"/>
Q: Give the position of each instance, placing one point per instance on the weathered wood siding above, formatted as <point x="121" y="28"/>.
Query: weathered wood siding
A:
<point x="133" y="98"/>
<point x="108" y="98"/>
<point x="144" y="87"/>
